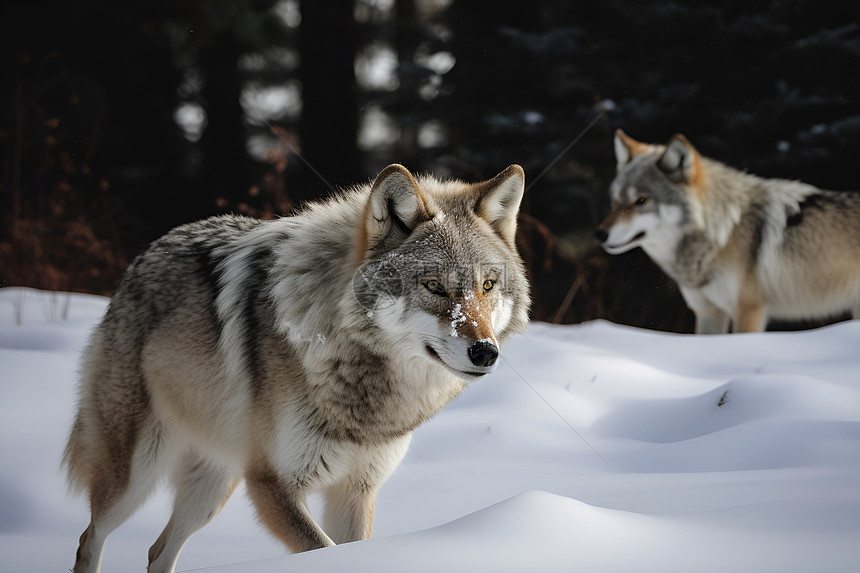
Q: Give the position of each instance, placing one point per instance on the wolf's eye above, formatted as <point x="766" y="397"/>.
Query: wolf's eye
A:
<point x="641" y="200"/>
<point x="488" y="285"/>
<point x="435" y="287"/>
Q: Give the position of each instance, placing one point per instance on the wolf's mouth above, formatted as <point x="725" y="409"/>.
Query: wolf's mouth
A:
<point x="638" y="237"/>
<point x="435" y="355"/>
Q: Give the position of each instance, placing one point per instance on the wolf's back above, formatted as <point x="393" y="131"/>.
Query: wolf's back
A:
<point x="175" y="279"/>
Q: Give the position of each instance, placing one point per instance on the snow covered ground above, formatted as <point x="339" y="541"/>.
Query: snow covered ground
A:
<point x="595" y="448"/>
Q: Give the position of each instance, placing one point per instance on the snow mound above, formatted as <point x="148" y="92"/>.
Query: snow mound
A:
<point x="594" y="448"/>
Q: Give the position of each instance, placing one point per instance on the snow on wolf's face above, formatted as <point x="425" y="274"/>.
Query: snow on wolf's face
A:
<point x="441" y="277"/>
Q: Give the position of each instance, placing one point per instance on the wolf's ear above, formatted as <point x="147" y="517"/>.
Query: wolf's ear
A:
<point x="395" y="207"/>
<point x="500" y="199"/>
<point x="626" y="148"/>
<point x="681" y="162"/>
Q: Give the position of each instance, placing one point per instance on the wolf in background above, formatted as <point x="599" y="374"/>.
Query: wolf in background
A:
<point x="743" y="249"/>
<point x="298" y="354"/>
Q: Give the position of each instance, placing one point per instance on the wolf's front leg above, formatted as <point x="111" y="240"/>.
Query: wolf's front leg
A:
<point x="750" y="317"/>
<point x="710" y="319"/>
<point x="349" y="511"/>
<point x="712" y="323"/>
<point x="349" y="502"/>
<point x="281" y="506"/>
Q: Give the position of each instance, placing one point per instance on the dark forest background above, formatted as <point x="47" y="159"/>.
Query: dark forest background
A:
<point x="121" y="120"/>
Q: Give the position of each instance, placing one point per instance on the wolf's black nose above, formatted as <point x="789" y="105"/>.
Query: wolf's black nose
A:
<point x="601" y="235"/>
<point x="483" y="353"/>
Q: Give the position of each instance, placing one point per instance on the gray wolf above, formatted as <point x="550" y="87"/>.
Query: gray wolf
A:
<point x="297" y="354"/>
<point x="742" y="249"/>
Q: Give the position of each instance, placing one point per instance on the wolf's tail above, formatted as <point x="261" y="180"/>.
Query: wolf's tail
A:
<point x="73" y="459"/>
<point x="80" y="455"/>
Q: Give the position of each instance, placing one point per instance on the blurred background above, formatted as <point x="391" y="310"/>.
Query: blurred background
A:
<point x="121" y="120"/>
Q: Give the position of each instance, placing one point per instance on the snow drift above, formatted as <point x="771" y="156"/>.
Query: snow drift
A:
<point x="594" y="448"/>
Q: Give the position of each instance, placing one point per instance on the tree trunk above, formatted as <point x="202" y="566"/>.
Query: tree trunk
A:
<point x="329" y="123"/>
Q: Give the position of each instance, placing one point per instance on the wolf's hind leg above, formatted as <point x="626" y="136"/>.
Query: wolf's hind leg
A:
<point x="117" y="490"/>
<point x="201" y="492"/>
<point x="349" y="512"/>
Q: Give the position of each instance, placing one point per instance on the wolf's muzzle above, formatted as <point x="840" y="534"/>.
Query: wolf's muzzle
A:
<point x="483" y="354"/>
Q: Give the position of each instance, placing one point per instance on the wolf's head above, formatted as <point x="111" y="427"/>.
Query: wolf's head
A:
<point x="655" y="195"/>
<point x="438" y="271"/>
